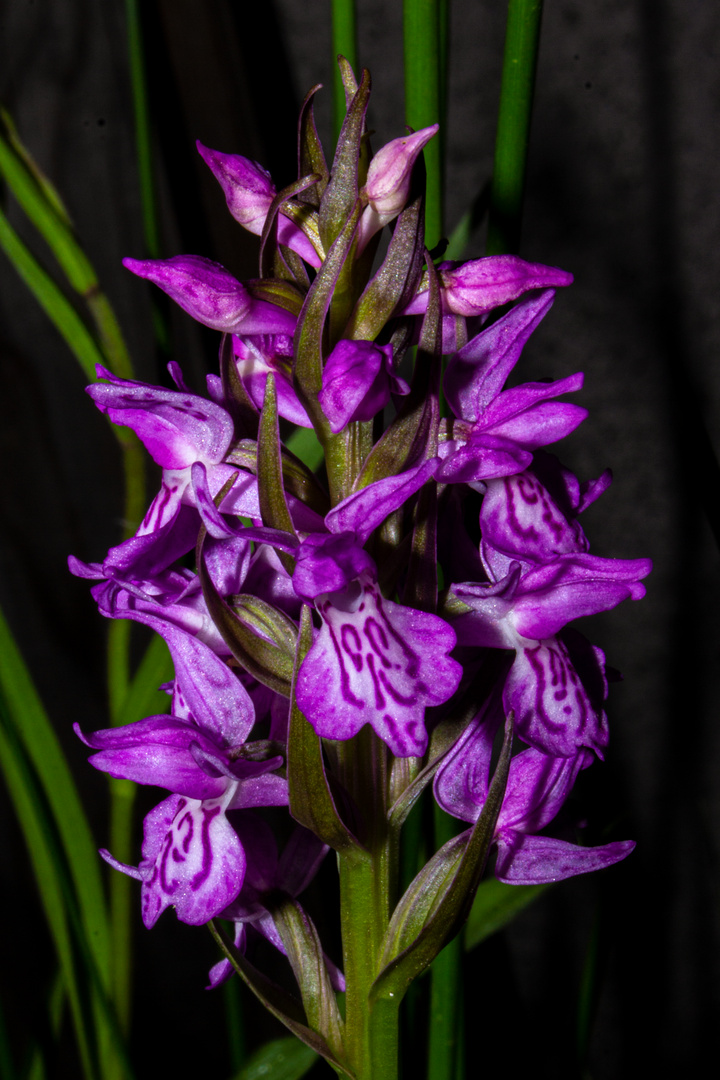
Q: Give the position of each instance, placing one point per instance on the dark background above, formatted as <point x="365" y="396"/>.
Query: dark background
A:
<point x="622" y="191"/>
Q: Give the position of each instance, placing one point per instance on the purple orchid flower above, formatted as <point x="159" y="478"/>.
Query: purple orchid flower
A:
<point x="373" y="661"/>
<point x="358" y="380"/>
<point x="249" y="191"/>
<point x="497" y="430"/>
<point x="192" y="857"/>
<point x="537" y="787"/>
<point x="290" y="874"/>
<point x="388" y="181"/>
<point x="554" y="708"/>
<point x="212" y="296"/>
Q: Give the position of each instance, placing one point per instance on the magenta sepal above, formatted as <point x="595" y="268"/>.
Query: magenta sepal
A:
<point x="477" y="373"/>
<point x="212" y="296"/>
<point x="364" y="510"/>
<point x="497" y="429"/>
<point x="175" y="426"/>
<point x="476" y="287"/>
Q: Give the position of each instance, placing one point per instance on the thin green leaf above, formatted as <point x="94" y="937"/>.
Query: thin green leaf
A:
<point x="46" y="862"/>
<point x="297" y="478"/>
<point x="517" y="87"/>
<point x="52" y="195"/>
<point x="496" y="904"/>
<point x="307" y="960"/>
<point x="266" y="661"/>
<point x="281" y="1059"/>
<point x="301" y="215"/>
<point x="341" y="193"/>
<point x="35" y="731"/>
<point x="53" y="302"/>
<point x="311" y="156"/>
<point x="58" y="234"/>
<point x="412" y="435"/>
<point x="395" y="283"/>
<point x="56" y="231"/>
<point x="273" y="505"/>
<point x="308" y="366"/>
<point x="344" y="43"/>
<point x="425" y="44"/>
<point x="283" y="293"/>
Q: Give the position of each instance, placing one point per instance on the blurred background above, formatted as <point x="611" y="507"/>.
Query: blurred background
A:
<point x="622" y="191"/>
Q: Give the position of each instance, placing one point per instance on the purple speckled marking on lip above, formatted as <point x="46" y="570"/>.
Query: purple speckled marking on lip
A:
<point x="563" y="682"/>
<point x="375" y="633"/>
<point x="351" y="644"/>
<point x="155" y="513"/>
<point x="379" y="698"/>
<point x="347" y="693"/>
<point x="178" y="844"/>
<point x="204" y="872"/>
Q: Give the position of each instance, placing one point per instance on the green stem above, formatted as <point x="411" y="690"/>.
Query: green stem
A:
<point x="522" y="38"/>
<point x="344" y="43"/>
<point x="122" y="898"/>
<point x="143" y="139"/>
<point x="367" y="892"/>
<point x="445" y="987"/>
<point x="425" y="24"/>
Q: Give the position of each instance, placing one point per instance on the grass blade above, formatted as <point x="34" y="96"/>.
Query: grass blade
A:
<point x="52" y="300"/>
<point x="282" y="1059"/>
<point x="496" y="904"/>
<point x="425" y="47"/>
<point x="34" y="730"/>
<point x="45" y="859"/>
<point x="522" y="39"/>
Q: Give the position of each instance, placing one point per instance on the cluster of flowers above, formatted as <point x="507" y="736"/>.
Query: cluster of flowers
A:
<point x="320" y="341"/>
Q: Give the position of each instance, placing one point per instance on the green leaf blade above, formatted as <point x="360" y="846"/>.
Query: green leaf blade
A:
<point x="281" y="1059"/>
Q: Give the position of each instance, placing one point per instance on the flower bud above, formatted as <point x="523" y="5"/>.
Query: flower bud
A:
<point x="248" y="188"/>
<point x="208" y="292"/>
<point x="388" y="180"/>
<point x="249" y="191"/>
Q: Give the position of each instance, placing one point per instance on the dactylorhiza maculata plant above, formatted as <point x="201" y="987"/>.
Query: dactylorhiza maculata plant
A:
<point x="343" y="640"/>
